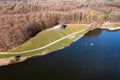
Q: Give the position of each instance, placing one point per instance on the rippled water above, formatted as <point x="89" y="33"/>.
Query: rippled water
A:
<point x="96" y="56"/>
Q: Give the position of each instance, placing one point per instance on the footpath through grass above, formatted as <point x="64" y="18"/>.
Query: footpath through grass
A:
<point x="46" y="37"/>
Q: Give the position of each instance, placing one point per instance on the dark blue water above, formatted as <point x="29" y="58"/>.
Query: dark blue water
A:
<point x="96" y="56"/>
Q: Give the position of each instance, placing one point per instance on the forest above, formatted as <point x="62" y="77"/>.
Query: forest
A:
<point x="22" y="20"/>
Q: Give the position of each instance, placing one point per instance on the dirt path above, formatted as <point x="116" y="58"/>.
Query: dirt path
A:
<point x="43" y="46"/>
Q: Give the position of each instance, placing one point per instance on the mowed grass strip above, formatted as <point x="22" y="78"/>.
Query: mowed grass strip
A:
<point x="59" y="45"/>
<point x="46" y="37"/>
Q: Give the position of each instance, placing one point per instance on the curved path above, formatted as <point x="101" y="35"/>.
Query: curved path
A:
<point x="43" y="46"/>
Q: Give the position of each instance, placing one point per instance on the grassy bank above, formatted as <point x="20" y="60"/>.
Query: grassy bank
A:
<point x="46" y="37"/>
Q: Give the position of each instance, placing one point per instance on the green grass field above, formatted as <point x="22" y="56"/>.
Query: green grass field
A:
<point x="45" y="37"/>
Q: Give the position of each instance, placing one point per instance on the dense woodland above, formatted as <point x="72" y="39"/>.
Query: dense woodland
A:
<point x="19" y="21"/>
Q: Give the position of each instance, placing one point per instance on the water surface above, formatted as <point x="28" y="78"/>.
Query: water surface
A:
<point x="96" y="56"/>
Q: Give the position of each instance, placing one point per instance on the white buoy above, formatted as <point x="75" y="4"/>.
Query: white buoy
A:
<point x="91" y="44"/>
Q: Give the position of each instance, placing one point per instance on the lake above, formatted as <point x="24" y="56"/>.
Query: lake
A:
<point x="96" y="56"/>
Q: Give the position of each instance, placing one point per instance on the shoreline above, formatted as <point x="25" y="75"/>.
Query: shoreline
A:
<point x="7" y="61"/>
<point x="110" y="28"/>
<point x="12" y="60"/>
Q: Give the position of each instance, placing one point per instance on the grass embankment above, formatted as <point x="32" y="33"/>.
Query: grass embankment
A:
<point x="46" y="37"/>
